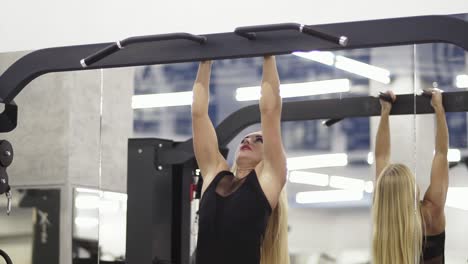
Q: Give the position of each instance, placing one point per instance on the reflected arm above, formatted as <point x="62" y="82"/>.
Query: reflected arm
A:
<point x="382" y="142"/>
<point x="437" y="192"/>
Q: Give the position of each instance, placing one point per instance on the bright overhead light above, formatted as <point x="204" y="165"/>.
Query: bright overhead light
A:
<point x="317" y="161"/>
<point x="370" y="158"/>
<point x="349" y="65"/>
<point x="454" y="155"/>
<point x="346" y="183"/>
<point x="461" y="81"/>
<point x="369" y="187"/>
<point x="309" y="178"/>
<point x="457" y="197"/>
<point x="325" y="57"/>
<point x="328" y="196"/>
<point x="363" y="69"/>
<point x="162" y="100"/>
<point x="297" y="89"/>
<point x="86" y="222"/>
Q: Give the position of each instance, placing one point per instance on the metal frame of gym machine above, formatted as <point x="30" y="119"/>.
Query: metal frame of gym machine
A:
<point x="160" y="170"/>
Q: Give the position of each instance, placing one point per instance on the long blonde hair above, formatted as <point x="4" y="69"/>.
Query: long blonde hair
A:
<point x="274" y="249"/>
<point x="397" y="222"/>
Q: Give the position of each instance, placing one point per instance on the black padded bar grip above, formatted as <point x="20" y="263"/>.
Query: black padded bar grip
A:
<point x="341" y="40"/>
<point x="141" y="39"/>
<point x="101" y="54"/>
<point x="331" y="122"/>
<point x="249" y="32"/>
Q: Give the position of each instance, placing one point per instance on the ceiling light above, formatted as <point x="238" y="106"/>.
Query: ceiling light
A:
<point x="461" y="81"/>
<point x="297" y="89"/>
<point x="370" y="158"/>
<point x="363" y="69"/>
<point x="349" y="65"/>
<point x="454" y="155"/>
<point x="369" y="187"/>
<point x="317" y="161"/>
<point x="346" y="183"/>
<point x="309" y="178"/>
<point x="162" y="100"/>
<point x="328" y="196"/>
<point x="325" y="57"/>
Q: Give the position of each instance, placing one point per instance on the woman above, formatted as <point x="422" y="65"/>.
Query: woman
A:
<point x="406" y="231"/>
<point x="243" y="217"/>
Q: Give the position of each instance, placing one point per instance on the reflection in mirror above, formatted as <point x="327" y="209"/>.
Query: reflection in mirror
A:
<point x="30" y="234"/>
<point x="442" y="155"/>
<point x="341" y="192"/>
<point x="99" y="224"/>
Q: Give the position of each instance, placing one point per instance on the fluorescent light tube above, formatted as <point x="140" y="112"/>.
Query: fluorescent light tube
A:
<point x="363" y="69"/>
<point x="349" y="65"/>
<point x="317" y="161"/>
<point x="454" y="155"/>
<point x="162" y="100"/>
<point x="370" y="158"/>
<point x="328" y="196"/>
<point x="309" y="178"/>
<point x="461" y="81"/>
<point x="297" y="89"/>
<point x="325" y="57"/>
<point x="369" y="187"/>
<point x="347" y="183"/>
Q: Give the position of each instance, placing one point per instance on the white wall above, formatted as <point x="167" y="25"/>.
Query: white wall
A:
<point x="28" y="25"/>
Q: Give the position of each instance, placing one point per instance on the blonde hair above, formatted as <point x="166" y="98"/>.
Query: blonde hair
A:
<point x="397" y="222"/>
<point x="274" y="249"/>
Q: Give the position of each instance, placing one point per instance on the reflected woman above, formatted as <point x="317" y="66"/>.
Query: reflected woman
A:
<point x="406" y="231"/>
<point x="243" y="217"/>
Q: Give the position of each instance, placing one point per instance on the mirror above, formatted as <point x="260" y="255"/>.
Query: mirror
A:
<point x="30" y="234"/>
<point x="55" y="146"/>
<point x="71" y="146"/>
<point x="444" y="66"/>
<point x="351" y="139"/>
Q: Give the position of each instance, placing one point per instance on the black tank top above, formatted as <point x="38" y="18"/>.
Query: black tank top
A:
<point x="433" y="249"/>
<point x="233" y="216"/>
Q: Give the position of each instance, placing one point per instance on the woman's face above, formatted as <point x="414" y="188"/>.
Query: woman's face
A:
<point x="250" y="149"/>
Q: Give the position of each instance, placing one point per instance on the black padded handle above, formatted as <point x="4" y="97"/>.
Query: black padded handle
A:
<point x="101" y="54"/>
<point x="249" y="32"/>
<point x="331" y="122"/>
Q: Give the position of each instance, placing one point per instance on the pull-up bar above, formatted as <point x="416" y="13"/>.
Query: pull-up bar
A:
<point x="249" y="32"/>
<point x="364" y="34"/>
<point x="333" y="109"/>
<point x="109" y="50"/>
